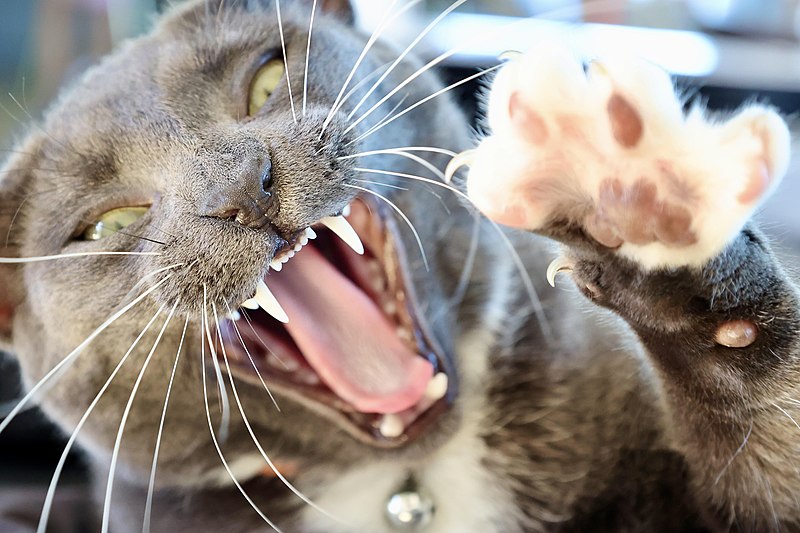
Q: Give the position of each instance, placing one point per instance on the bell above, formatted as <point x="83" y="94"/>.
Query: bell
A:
<point x="409" y="510"/>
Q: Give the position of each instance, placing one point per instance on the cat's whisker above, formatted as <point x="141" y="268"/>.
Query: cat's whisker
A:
<point x="34" y="122"/>
<point x="51" y="490"/>
<point x="261" y="341"/>
<point x="403" y="149"/>
<point x="423" y="101"/>
<point x="151" y="274"/>
<point x="249" y="356"/>
<point x="285" y="59"/>
<point x="223" y="393"/>
<point x="379" y="29"/>
<point x="402" y="215"/>
<point x="455" y="5"/>
<point x="406" y="189"/>
<point x="408" y="155"/>
<point x="152" y="483"/>
<point x="530" y="289"/>
<point x="73" y="354"/>
<point x="219" y="450"/>
<point x="118" y="442"/>
<point x="782" y="410"/>
<point x="18" y="260"/>
<point x="308" y="55"/>
<point x="469" y="263"/>
<point x="386" y="117"/>
<point x="258" y="443"/>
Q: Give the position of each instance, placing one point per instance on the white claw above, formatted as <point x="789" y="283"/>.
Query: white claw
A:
<point x="391" y="426"/>
<point x="341" y="227"/>
<point x="267" y="301"/>
<point x="437" y="387"/>
<point x="561" y="264"/>
<point x="510" y="55"/>
<point x="460" y="160"/>
<point x="250" y="304"/>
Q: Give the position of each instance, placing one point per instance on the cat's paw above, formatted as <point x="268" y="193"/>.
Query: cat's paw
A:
<point x="611" y="151"/>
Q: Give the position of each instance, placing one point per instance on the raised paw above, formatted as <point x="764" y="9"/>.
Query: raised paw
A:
<point x="611" y="150"/>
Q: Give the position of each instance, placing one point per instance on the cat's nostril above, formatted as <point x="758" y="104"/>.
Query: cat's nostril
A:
<point x="266" y="177"/>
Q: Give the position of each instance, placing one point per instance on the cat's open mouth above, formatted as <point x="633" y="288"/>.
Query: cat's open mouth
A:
<point x="354" y="348"/>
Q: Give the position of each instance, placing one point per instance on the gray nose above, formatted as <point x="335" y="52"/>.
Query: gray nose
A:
<point x="244" y="194"/>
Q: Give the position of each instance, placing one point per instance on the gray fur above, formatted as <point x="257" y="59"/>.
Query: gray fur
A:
<point x="614" y="427"/>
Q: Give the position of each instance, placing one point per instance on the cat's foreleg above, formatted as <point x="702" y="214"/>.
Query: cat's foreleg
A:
<point x="653" y="204"/>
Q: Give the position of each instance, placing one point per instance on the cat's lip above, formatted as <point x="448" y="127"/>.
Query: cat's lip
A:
<point x="286" y="371"/>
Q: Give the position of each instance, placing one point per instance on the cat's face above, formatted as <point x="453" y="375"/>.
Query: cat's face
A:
<point x="217" y="173"/>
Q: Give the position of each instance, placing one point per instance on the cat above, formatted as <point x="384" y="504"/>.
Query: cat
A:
<point x="200" y="197"/>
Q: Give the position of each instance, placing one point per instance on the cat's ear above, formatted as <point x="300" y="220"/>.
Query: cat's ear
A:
<point x="15" y="177"/>
<point x="342" y="9"/>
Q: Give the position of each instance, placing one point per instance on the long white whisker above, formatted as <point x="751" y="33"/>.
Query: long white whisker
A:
<point x="399" y="188"/>
<point x="260" y="340"/>
<point x="154" y="272"/>
<point x="403" y="153"/>
<point x="258" y="444"/>
<point x="225" y="421"/>
<point x="404" y="217"/>
<point x="73" y="354"/>
<point x="252" y="362"/>
<point x="455" y="5"/>
<point x="308" y="55"/>
<point x="544" y="324"/>
<point x="424" y="101"/>
<point x="117" y="443"/>
<point x="338" y="102"/>
<point x="151" y="485"/>
<point x="15" y="260"/>
<point x="285" y="60"/>
<point x="402" y="149"/>
<point x="219" y="450"/>
<point x="51" y="490"/>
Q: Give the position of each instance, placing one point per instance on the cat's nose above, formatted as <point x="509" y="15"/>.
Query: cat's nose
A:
<point x="245" y="196"/>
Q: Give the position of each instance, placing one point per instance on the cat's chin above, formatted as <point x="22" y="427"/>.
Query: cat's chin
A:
<point x="386" y="386"/>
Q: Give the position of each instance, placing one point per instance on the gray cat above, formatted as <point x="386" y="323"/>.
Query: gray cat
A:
<point x="421" y="383"/>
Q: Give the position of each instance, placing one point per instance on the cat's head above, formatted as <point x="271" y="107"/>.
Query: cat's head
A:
<point x="186" y="149"/>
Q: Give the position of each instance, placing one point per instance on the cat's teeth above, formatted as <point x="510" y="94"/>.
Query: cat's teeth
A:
<point x="341" y="227"/>
<point x="235" y="315"/>
<point x="311" y="234"/>
<point x="250" y="303"/>
<point x="306" y="377"/>
<point x="561" y="264"/>
<point x="346" y="211"/>
<point x="391" y="426"/>
<point x="267" y="301"/>
<point x="460" y="160"/>
<point x="276" y="265"/>
<point x="437" y="387"/>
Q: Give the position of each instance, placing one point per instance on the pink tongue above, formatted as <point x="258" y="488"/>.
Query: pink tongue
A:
<point x="346" y="338"/>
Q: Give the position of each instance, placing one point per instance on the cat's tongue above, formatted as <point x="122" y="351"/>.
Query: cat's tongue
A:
<point x="346" y="338"/>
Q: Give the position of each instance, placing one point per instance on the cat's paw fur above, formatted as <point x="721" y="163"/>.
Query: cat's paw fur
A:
<point x="611" y="150"/>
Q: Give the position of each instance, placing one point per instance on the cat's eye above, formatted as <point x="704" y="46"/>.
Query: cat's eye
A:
<point x="113" y="221"/>
<point x="264" y="83"/>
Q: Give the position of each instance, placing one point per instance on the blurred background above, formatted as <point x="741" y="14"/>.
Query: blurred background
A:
<point x="725" y="52"/>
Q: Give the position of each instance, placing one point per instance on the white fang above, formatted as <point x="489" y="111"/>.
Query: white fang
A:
<point x="341" y="227"/>
<point x="250" y="304"/>
<point x="269" y="303"/>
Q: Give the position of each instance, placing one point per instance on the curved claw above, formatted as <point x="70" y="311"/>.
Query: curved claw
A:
<point x="463" y="159"/>
<point x="510" y="55"/>
<point x="560" y="264"/>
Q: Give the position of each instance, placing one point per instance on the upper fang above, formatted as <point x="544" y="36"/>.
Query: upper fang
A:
<point x="269" y="303"/>
<point x="341" y="227"/>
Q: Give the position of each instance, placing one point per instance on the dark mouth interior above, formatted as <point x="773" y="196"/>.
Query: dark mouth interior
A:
<point x="258" y="345"/>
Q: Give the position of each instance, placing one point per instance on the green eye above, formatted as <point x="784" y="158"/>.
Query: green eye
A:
<point x="113" y="221"/>
<point x="264" y="84"/>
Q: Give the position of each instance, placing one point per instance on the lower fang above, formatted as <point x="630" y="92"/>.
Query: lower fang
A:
<point x="391" y="426"/>
<point x="235" y="315"/>
<point x="437" y="387"/>
<point x="250" y="304"/>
